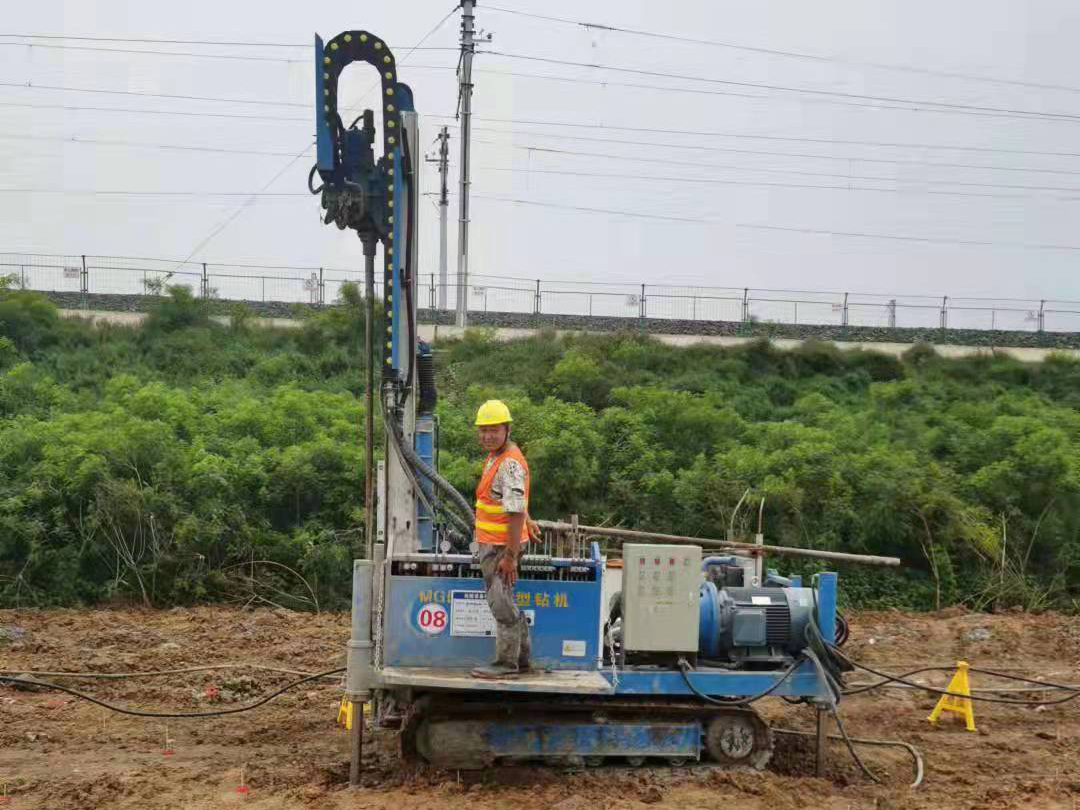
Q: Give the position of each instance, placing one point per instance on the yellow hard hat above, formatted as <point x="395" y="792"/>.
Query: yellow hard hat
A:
<point x="493" y="412"/>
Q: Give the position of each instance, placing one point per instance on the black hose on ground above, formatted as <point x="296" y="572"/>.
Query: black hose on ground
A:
<point x="916" y="756"/>
<point x="141" y="713"/>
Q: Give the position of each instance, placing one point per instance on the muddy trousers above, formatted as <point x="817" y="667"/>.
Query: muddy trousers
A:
<point x="512" y="645"/>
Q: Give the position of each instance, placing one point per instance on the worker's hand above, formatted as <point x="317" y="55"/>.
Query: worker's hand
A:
<point x="534" y="529"/>
<point x="507" y="568"/>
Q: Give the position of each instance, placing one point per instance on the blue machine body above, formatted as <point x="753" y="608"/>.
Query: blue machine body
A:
<point x="444" y="621"/>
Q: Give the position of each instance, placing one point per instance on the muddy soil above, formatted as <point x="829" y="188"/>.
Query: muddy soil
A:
<point x="60" y="753"/>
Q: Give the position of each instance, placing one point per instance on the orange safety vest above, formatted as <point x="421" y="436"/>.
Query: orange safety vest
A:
<point x="492" y="521"/>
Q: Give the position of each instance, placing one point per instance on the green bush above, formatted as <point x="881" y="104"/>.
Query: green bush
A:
<point x="192" y="460"/>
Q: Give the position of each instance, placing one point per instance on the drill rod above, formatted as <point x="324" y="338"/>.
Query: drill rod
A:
<point x="630" y="534"/>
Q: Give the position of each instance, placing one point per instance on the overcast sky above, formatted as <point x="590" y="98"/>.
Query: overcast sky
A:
<point x="1025" y="41"/>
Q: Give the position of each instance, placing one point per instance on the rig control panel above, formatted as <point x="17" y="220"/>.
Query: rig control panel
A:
<point x="660" y="598"/>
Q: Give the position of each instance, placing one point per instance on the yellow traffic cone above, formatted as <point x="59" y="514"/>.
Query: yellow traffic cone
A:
<point x="958" y="685"/>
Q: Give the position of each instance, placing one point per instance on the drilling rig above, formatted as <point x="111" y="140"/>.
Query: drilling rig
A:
<point x="654" y="658"/>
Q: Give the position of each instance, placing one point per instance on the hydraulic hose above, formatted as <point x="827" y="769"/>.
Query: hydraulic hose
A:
<point x="395" y="440"/>
<point x="684" y="668"/>
<point x="418" y="463"/>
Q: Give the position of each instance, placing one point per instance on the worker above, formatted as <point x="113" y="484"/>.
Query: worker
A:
<point x="503" y="526"/>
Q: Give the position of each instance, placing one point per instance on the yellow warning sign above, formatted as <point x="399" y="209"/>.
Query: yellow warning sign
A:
<point x="958" y="685"/>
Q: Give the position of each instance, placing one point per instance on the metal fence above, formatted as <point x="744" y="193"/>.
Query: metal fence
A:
<point x="490" y="293"/>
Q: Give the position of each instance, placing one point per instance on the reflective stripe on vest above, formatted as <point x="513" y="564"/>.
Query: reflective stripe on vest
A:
<point x="492" y="520"/>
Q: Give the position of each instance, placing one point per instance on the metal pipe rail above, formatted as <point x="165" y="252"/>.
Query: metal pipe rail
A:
<point x="630" y="534"/>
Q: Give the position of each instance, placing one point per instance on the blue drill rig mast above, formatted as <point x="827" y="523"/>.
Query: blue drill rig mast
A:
<point x="658" y="659"/>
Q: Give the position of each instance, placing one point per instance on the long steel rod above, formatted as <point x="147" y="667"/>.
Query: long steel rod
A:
<point x="630" y="534"/>
<point x="369" y="398"/>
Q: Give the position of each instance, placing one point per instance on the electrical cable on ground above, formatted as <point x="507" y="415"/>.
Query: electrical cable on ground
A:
<point x="916" y="756"/>
<point x="1043" y="685"/>
<point x="149" y="674"/>
<point x="141" y="713"/>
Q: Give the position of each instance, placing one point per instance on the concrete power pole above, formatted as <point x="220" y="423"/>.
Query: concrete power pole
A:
<point x="444" y="202"/>
<point x="465" y="89"/>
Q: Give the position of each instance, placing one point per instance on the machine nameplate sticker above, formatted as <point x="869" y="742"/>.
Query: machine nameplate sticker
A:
<point x="573" y="647"/>
<point x="471" y="616"/>
<point x="760" y="600"/>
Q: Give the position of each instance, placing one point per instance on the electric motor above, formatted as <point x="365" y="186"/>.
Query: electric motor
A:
<point x="740" y="624"/>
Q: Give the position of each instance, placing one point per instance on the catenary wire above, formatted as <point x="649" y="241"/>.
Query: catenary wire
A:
<point x="938" y="105"/>
<point x="775" y="170"/>
<point x="788" y="54"/>
<point x="754" y="136"/>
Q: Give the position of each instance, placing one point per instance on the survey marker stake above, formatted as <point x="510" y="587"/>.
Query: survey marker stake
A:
<point x="242" y="787"/>
<point x="166" y="750"/>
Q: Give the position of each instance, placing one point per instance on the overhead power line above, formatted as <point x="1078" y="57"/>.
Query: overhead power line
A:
<point x="791" y="229"/>
<point x="908" y="238"/>
<point x="225" y="223"/>
<point x="77" y="139"/>
<point x="135" y="51"/>
<point x="782" y="170"/>
<point x="756" y="97"/>
<point x="800" y="55"/>
<point x="765" y="152"/>
<point x="143" y="93"/>
<point x="754" y="136"/>
<point x="771" y="184"/>
<point x="182" y="54"/>
<point x="209" y="42"/>
<point x="928" y="105"/>
<point x="137" y="193"/>
<point x="188" y="113"/>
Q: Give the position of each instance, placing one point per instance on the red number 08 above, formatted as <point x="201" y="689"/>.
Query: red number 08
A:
<point x="432" y="619"/>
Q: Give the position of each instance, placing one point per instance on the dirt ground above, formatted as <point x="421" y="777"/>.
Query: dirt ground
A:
<point x="59" y="753"/>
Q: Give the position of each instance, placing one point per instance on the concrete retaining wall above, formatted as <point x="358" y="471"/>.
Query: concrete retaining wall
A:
<point x="675" y="330"/>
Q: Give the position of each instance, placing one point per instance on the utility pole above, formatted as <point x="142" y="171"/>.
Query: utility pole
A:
<point x="444" y="202"/>
<point x="465" y="88"/>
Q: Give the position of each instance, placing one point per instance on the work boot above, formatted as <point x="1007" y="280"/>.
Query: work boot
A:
<point x="495" y="671"/>
<point x="524" y="665"/>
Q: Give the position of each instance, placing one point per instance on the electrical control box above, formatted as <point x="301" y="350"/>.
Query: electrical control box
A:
<point x="660" y="598"/>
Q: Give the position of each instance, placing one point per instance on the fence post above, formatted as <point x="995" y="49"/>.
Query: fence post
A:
<point x="644" y="310"/>
<point x="22" y="272"/>
<point x="844" y="313"/>
<point x="796" y="313"/>
<point x="590" y="305"/>
<point x="431" y="293"/>
<point x="84" y="282"/>
<point x="944" y="311"/>
<point x="205" y="282"/>
<point x="746" y="304"/>
<point x="693" y="308"/>
<point x="892" y="313"/>
<point x="536" y="299"/>
<point x="1042" y="315"/>
<point x="322" y="289"/>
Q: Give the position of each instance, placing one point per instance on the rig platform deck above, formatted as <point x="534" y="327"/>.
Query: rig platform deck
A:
<point x="556" y="682"/>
